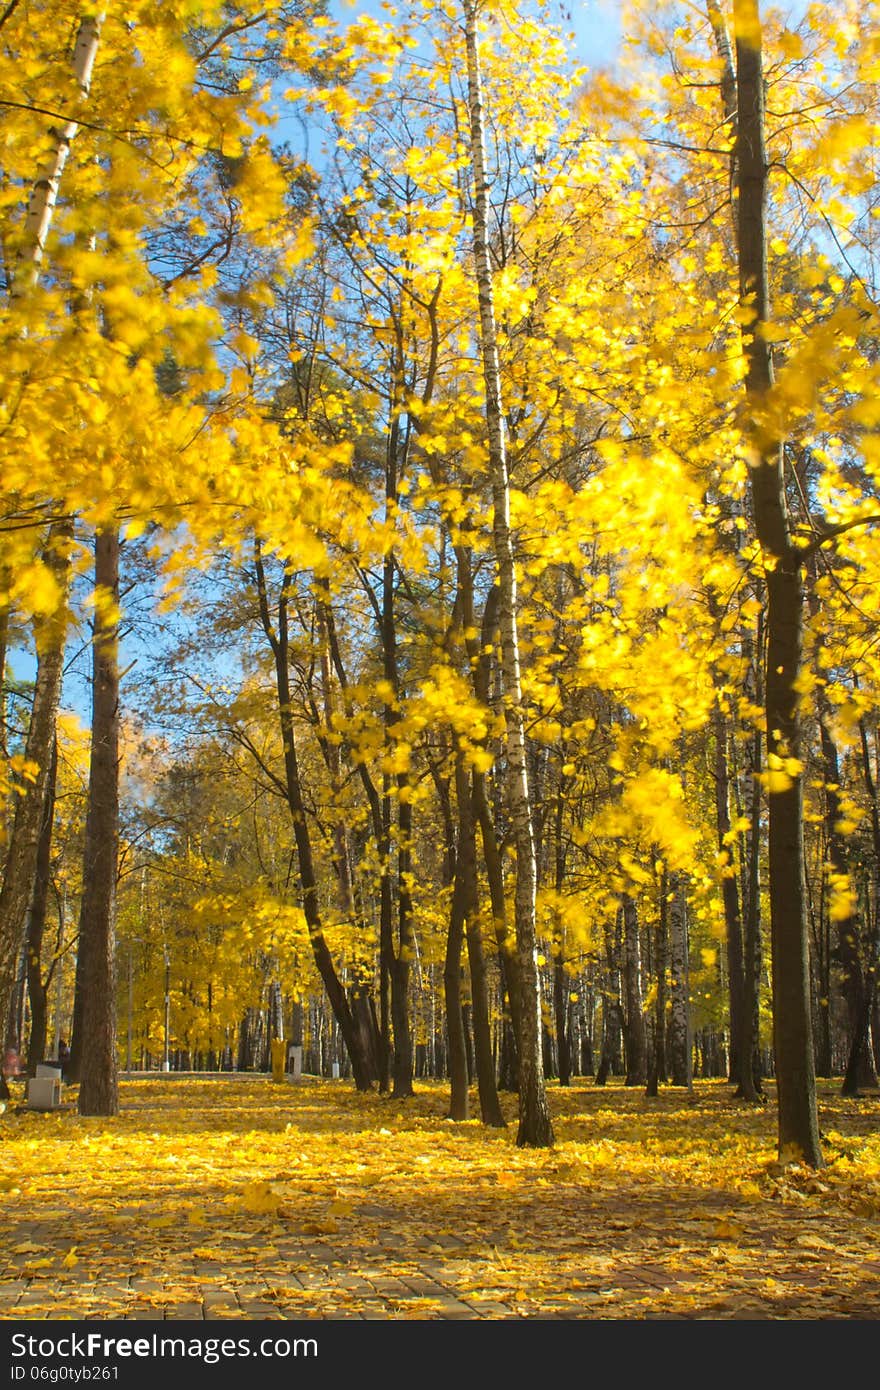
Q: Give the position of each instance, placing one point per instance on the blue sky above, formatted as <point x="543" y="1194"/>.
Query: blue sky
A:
<point x="596" y="24"/>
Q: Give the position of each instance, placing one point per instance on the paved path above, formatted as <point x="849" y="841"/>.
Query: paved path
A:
<point x="149" y="1232"/>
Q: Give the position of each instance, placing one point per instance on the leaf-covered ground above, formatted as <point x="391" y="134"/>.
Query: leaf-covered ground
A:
<point x="237" y="1197"/>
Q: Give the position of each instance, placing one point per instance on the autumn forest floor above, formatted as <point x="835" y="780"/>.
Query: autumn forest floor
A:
<point x="234" y="1197"/>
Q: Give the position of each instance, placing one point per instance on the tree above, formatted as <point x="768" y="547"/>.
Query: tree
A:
<point x="792" y="1027"/>
<point x="93" y="1060"/>
<point x="535" y="1127"/>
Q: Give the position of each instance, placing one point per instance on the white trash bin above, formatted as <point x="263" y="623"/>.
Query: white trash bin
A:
<point x="44" y="1092"/>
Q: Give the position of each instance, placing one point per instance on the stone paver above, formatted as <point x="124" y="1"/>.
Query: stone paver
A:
<point x="636" y="1255"/>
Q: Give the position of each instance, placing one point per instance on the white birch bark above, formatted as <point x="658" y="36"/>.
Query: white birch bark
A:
<point x="535" y="1128"/>
<point x="44" y="194"/>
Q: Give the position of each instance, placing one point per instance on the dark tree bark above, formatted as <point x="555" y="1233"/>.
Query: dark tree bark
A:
<point x="37" y="985"/>
<point x="504" y="938"/>
<point x="339" y="1002"/>
<point x="657" y="1071"/>
<point x="95" y="1048"/>
<point x="679" y="1033"/>
<point x="402" y="1072"/>
<point x="459" y="1102"/>
<point x="612" y="1008"/>
<point x="21" y="856"/>
<point x="730" y="899"/>
<point x="798" y="1127"/>
<point x="561" y="987"/>
<point x="635" y="1034"/>
<point x="484" y="1062"/>
<point x="750" y="1075"/>
<point x="848" y="928"/>
<point x="459" y="1098"/>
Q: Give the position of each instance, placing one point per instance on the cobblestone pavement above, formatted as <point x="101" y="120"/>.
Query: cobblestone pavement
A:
<point x="559" y="1241"/>
<point x="326" y="1280"/>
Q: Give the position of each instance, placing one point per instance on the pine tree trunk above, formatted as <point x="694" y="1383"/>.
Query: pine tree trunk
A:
<point x="798" y="1127"/>
<point x="96" y="1048"/>
<point x="535" y="1128"/>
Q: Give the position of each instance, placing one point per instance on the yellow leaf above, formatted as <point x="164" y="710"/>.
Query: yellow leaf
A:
<point x="811" y="1242"/>
<point x="260" y="1197"/>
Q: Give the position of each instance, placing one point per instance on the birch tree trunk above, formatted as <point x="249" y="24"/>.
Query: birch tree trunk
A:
<point x="798" y="1127"/>
<point x="44" y="193"/>
<point x="535" y="1128"/>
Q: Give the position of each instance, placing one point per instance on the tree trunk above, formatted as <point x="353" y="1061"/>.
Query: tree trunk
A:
<point x="467" y="801"/>
<point x="466" y="868"/>
<point x="21" y="857"/>
<point x="459" y="1105"/>
<point x="849" y="928"/>
<point x="95" y="1049"/>
<point x="730" y="899"/>
<point x="612" y="1009"/>
<point x="561" y="989"/>
<point x="44" y="193"/>
<point x="661" y="960"/>
<point x="402" y="1073"/>
<point x="680" y="1060"/>
<point x="336" y="994"/>
<point x="635" y="1034"/>
<point x="535" y="1128"/>
<point x="362" y="1008"/>
<point x="798" y="1127"/>
<point x="750" y="1075"/>
<point x="37" y="986"/>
